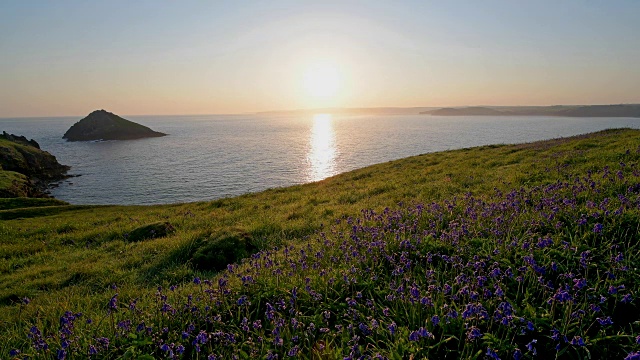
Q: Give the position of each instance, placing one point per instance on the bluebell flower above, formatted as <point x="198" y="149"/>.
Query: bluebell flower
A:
<point x="492" y="354"/>
<point x="597" y="228"/>
<point x="424" y="333"/>
<point x="414" y="336"/>
<point x="61" y="354"/>
<point x="113" y="303"/>
<point x="517" y="354"/>
<point x="242" y="300"/>
<point x="294" y="351"/>
<point x="531" y="348"/>
<point x="473" y="333"/>
<point x="392" y="328"/>
<point x="579" y="283"/>
<point x="93" y="350"/>
<point x="577" y="341"/>
<point x="635" y="355"/>
<point x="605" y="321"/>
<point x="530" y="326"/>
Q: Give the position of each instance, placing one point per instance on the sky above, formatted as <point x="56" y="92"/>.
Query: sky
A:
<point x="68" y="58"/>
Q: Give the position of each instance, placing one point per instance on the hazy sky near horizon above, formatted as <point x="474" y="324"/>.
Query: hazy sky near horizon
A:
<point x="196" y="57"/>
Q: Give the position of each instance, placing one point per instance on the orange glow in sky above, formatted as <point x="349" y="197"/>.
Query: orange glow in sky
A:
<point x="164" y="57"/>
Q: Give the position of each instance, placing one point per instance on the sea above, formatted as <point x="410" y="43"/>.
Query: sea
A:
<point x="207" y="157"/>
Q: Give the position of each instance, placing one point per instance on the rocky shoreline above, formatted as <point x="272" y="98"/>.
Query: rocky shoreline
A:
<point x="31" y="169"/>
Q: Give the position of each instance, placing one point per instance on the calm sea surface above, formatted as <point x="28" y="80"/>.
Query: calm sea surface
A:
<point x="214" y="156"/>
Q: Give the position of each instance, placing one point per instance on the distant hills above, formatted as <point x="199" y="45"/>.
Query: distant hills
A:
<point x="624" y="110"/>
<point x="103" y="125"/>
<point x="353" y="111"/>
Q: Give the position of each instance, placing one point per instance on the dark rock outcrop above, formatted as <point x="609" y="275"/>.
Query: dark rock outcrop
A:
<point x="22" y="156"/>
<point x="103" y="125"/>
<point x="20" y="140"/>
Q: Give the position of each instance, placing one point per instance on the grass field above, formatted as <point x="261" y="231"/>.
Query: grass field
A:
<point x="498" y="251"/>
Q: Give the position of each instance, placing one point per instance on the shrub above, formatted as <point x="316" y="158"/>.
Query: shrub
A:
<point x="151" y="231"/>
<point x="222" y="248"/>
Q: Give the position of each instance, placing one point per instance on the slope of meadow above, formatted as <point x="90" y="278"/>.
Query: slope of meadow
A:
<point x="505" y="251"/>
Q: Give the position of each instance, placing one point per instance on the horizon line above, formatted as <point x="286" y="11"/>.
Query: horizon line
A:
<point x="324" y="110"/>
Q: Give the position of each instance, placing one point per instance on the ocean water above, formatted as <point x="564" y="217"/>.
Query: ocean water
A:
<point x="209" y="157"/>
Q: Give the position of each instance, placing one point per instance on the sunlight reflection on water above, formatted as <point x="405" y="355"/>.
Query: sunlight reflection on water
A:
<point x="207" y="157"/>
<point x="321" y="157"/>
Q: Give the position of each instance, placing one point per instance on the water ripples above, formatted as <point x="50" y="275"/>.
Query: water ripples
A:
<point x="215" y="156"/>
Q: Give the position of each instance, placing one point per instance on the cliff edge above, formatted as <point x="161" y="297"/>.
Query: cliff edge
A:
<point x="25" y="169"/>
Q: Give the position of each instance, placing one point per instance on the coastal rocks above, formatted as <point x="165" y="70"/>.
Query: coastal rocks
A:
<point x="103" y="125"/>
<point x="20" y="140"/>
<point x="39" y="168"/>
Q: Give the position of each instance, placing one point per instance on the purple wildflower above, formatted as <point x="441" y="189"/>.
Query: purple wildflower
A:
<point x="577" y="341"/>
<point x="597" y="228"/>
<point x="531" y="348"/>
<point x="492" y="354"/>
<point x="517" y="354"/>
<point x="414" y="336"/>
<point x="294" y="351"/>
<point x="633" y="356"/>
<point x="473" y="333"/>
<point x="605" y="321"/>
<point x="392" y="328"/>
<point x="113" y="303"/>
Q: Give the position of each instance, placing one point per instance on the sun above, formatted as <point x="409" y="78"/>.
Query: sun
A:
<point x="322" y="81"/>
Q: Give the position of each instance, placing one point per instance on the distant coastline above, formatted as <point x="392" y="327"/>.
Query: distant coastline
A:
<point x="612" y="110"/>
<point x="621" y="110"/>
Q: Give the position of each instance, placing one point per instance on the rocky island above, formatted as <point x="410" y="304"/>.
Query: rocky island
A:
<point x="25" y="169"/>
<point x="103" y="125"/>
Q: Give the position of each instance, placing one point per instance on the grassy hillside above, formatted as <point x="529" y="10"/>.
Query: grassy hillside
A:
<point x="378" y="260"/>
<point x="24" y="168"/>
<point x="13" y="184"/>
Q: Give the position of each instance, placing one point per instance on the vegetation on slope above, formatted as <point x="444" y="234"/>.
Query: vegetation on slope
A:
<point x="25" y="170"/>
<point x="13" y="184"/>
<point x="543" y="235"/>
